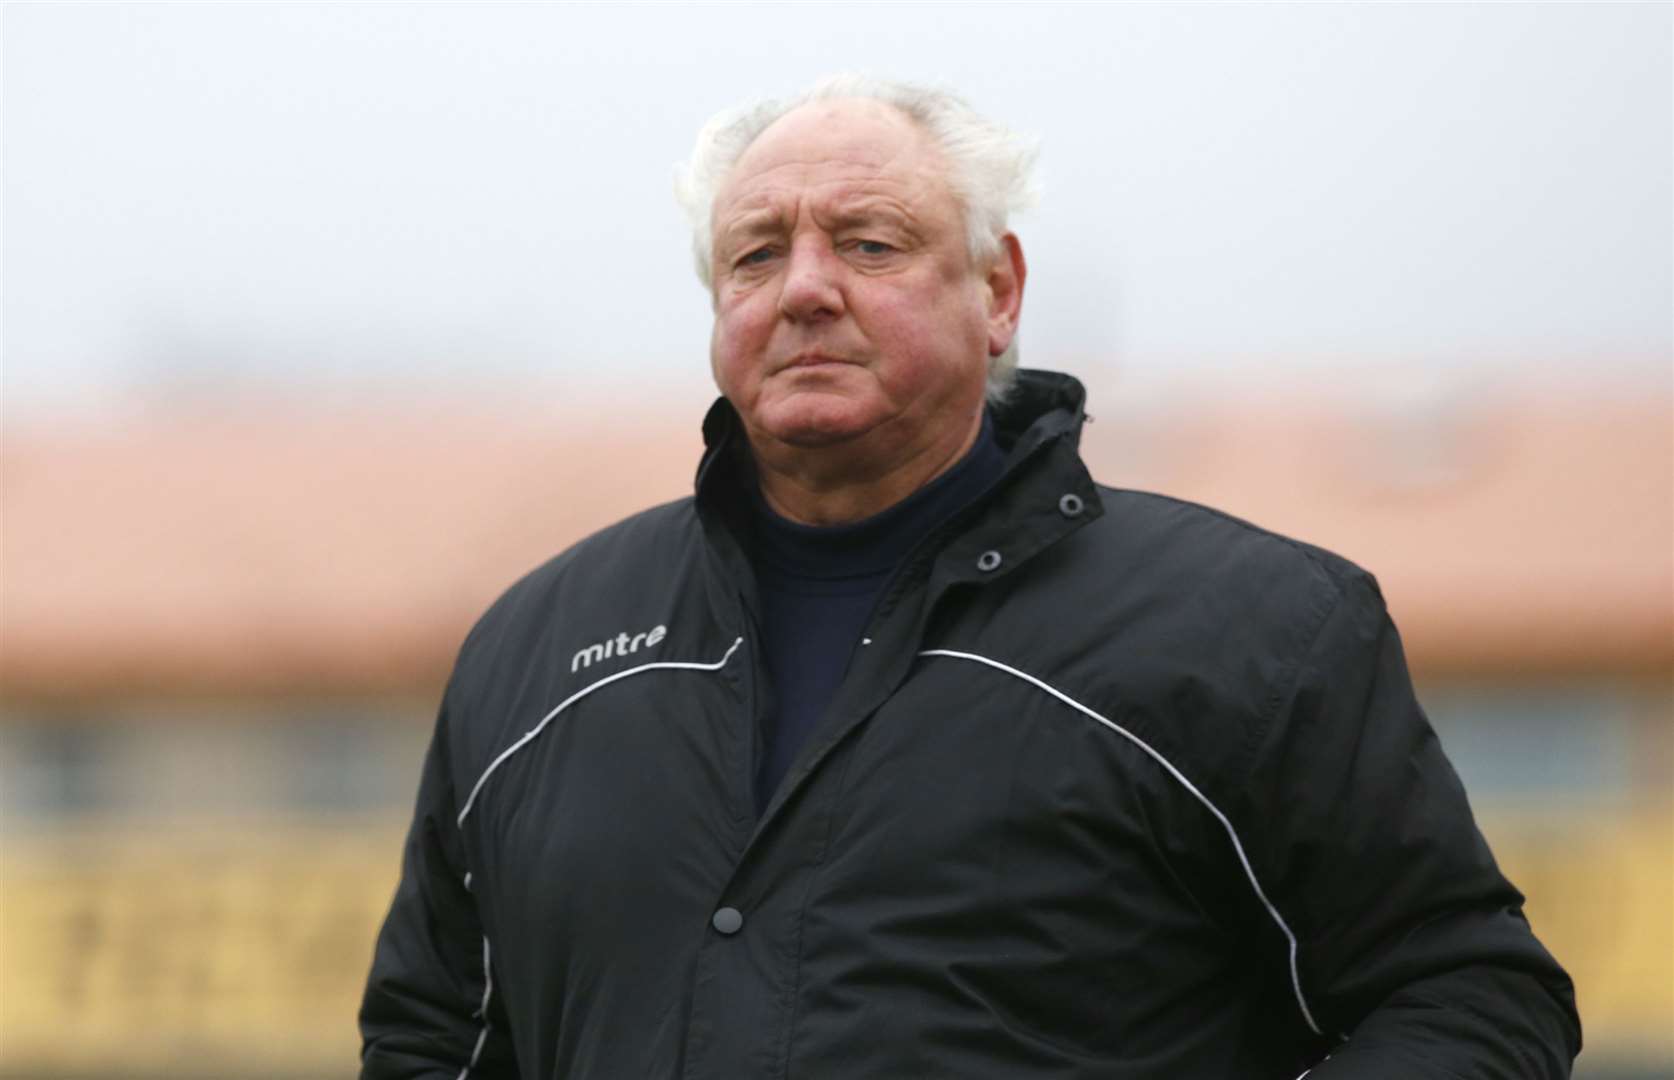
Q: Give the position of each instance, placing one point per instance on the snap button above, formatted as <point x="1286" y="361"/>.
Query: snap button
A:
<point x="1071" y="505"/>
<point x="727" y="921"/>
<point x="988" y="560"/>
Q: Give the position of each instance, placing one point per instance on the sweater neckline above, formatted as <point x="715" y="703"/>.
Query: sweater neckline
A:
<point x="873" y="546"/>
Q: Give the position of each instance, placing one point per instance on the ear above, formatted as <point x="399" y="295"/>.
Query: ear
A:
<point x="1004" y="291"/>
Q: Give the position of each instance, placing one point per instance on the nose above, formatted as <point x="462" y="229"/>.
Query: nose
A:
<point x="812" y="289"/>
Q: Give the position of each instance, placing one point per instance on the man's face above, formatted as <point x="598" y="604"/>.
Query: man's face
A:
<point x="847" y="308"/>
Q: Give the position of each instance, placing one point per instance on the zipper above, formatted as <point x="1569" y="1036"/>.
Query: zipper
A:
<point x="756" y="699"/>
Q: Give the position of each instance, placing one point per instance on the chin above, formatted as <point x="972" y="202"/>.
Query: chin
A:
<point x="811" y="421"/>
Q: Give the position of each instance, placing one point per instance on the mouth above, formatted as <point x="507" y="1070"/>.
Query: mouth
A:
<point x="811" y="360"/>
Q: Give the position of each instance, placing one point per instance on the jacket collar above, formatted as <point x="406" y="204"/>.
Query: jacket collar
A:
<point x="1044" y="495"/>
<point x="1042" y="406"/>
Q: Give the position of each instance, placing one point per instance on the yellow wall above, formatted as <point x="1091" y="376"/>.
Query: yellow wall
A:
<point x="240" y="951"/>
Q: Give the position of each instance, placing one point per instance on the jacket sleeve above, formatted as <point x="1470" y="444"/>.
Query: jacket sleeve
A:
<point x="430" y="1010"/>
<point x="1411" y="947"/>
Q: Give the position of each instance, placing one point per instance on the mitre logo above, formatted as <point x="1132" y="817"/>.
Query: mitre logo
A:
<point x="620" y="645"/>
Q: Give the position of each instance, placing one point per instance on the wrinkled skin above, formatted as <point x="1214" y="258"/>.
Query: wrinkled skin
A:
<point x="852" y="328"/>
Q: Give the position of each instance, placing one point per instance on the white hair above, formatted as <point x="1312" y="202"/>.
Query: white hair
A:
<point x="990" y="169"/>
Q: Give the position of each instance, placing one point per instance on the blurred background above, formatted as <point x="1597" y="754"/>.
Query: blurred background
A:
<point x="323" y="323"/>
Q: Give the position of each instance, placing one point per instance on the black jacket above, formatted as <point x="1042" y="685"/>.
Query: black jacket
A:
<point x="1115" y="787"/>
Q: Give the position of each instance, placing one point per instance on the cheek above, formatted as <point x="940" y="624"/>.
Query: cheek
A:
<point x="717" y="354"/>
<point x="736" y="342"/>
<point x="937" y="329"/>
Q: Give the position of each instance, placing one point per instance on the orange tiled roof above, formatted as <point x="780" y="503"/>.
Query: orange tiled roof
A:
<point x="253" y="548"/>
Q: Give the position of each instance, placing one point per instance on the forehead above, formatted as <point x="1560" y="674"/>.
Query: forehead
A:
<point x="832" y="148"/>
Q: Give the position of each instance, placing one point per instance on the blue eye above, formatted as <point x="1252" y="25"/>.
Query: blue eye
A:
<point x="760" y="255"/>
<point x="874" y="247"/>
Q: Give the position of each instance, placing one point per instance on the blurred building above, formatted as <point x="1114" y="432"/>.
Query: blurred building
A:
<point x="225" y="626"/>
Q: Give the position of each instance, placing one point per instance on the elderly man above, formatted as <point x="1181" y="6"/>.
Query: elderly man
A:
<point x="904" y="750"/>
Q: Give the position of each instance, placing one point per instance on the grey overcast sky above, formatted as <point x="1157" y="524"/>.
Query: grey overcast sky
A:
<point x="380" y="195"/>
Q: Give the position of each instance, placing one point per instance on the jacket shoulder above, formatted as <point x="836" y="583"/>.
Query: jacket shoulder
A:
<point x="1196" y="623"/>
<point x="608" y="577"/>
<point x="1214" y="545"/>
<point x="629" y="546"/>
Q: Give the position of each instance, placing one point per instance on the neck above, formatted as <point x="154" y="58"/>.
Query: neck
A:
<point x="829" y="486"/>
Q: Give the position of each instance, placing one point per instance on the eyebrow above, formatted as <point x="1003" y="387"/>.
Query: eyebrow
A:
<point x="870" y="211"/>
<point x="767" y="221"/>
<point x="750" y="225"/>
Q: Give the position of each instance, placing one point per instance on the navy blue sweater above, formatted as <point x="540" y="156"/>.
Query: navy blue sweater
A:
<point x="818" y="585"/>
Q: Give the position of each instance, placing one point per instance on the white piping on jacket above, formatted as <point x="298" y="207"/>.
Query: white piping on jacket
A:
<point x="1237" y="845"/>
<point x="678" y="665"/>
<point x="487" y="992"/>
